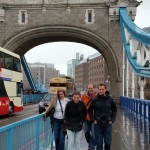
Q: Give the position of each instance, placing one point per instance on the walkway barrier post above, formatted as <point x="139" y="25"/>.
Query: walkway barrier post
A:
<point x="9" y="139"/>
<point x="149" y="112"/>
<point x="144" y="110"/>
<point x="137" y="107"/>
<point x="37" y="133"/>
<point x="140" y="109"/>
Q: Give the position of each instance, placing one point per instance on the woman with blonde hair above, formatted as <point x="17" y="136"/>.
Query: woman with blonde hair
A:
<point x="58" y="103"/>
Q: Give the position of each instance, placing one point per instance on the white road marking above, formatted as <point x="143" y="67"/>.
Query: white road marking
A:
<point x="25" y="114"/>
<point x="4" y="120"/>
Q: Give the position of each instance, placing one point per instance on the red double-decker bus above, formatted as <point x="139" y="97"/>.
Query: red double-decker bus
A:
<point x="10" y="83"/>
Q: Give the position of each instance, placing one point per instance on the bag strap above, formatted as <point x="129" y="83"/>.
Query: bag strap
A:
<point x="88" y="102"/>
<point x="89" y="99"/>
<point x="61" y="106"/>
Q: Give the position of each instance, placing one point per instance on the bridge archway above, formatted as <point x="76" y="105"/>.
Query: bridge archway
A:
<point x="24" y="41"/>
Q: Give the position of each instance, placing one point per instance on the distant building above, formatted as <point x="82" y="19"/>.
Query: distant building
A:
<point x="97" y="70"/>
<point x="81" y="75"/>
<point x="93" y="70"/>
<point x="62" y="75"/>
<point x="72" y="63"/>
<point x="41" y="73"/>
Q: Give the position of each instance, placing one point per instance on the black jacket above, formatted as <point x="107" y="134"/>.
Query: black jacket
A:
<point x="102" y="106"/>
<point x="75" y="114"/>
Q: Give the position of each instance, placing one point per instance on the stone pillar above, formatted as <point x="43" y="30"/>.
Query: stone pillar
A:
<point x="142" y="84"/>
<point x="133" y="85"/>
<point x="123" y="74"/>
<point x="127" y="78"/>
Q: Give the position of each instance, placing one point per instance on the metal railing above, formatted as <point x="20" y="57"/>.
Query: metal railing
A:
<point x="32" y="98"/>
<point x="139" y="107"/>
<point x="33" y="133"/>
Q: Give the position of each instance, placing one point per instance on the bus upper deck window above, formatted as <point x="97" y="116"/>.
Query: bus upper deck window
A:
<point x="8" y="61"/>
<point x="8" y="65"/>
<point x="16" y="64"/>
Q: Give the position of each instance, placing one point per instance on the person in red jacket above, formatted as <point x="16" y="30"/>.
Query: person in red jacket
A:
<point x="88" y="124"/>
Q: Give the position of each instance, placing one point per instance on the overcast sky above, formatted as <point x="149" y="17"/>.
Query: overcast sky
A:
<point x="58" y="53"/>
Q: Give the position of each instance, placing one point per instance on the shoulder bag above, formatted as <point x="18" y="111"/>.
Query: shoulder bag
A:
<point x="64" y="129"/>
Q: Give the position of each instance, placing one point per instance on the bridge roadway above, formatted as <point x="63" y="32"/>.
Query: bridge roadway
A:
<point x="129" y="133"/>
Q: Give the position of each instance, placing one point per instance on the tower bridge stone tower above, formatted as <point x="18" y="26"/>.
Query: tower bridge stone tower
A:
<point x="25" y="24"/>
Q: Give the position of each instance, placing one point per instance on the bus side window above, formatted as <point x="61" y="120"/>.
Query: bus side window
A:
<point x="8" y="65"/>
<point x="8" y="61"/>
<point x="16" y="65"/>
<point x="19" y="87"/>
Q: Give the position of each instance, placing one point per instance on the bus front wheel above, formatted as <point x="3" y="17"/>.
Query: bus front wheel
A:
<point x="11" y="109"/>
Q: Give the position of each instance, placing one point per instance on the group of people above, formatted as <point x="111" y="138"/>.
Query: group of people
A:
<point x="93" y="112"/>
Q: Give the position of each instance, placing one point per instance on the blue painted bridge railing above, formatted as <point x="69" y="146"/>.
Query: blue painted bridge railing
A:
<point x="32" y="98"/>
<point x="33" y="134"/>
<point x="139" y="107"/>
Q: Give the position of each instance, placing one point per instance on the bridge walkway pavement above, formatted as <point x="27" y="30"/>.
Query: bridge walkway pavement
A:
<point x="129" y="133"/>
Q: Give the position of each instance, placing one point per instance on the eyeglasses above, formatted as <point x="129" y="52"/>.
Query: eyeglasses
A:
<point x="90" y="88"/>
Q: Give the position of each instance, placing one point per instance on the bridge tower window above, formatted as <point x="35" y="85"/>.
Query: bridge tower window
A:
<point x="89" y="16"/>
<point x="22" y="17"/>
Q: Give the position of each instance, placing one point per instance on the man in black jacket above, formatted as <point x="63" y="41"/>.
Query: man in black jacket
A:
<point x="104" y="115"/>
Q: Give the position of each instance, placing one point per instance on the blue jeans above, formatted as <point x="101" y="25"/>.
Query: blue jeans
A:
<point x="103" y="134"/>
<point x="58" y="133"/>
<point x="89" y="133"/>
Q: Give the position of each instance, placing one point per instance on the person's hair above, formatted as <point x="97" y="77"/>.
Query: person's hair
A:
<point x="101" y="84"/>
<point x="91" y="85"/>
<point x="76" y="93"/>
<point x="60" y="91"/>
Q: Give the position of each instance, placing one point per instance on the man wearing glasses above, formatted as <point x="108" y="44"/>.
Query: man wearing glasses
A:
<point x="104" y="115"/>
<point x="88" y="124"/>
